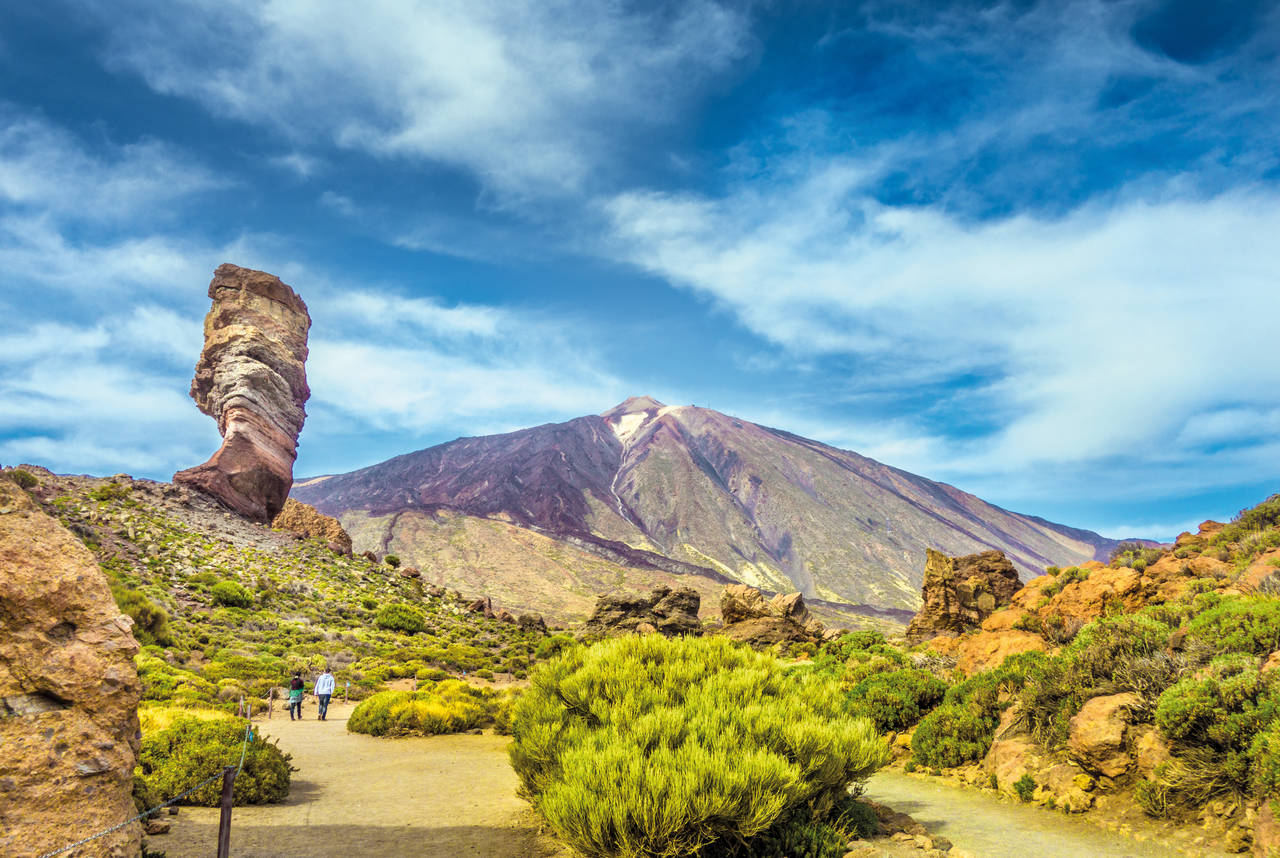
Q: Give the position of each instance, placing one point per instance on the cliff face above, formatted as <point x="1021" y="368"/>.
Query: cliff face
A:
<point x="252" y="379"/>
<point x="68" y="692"/>
<point x="960" y="592"/>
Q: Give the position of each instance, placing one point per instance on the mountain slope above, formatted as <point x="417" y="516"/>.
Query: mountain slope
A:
<point x="690" y="490"/>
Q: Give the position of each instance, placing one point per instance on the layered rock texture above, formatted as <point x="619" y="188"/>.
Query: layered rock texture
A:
<point x="68" y="692"/>
<point x="960" y="592"/>
<point x="252" y="379"/>
<point x="751" y="617"/>
<point x="309" y="523"/>
<point x="689" y="491"/>
<point x="666" y="611"/>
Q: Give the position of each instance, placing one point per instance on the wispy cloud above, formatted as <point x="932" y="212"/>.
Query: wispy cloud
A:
<point x="529" y="96"/>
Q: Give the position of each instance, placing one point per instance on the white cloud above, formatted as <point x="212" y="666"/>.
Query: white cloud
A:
<point x="529" y="95"/>
<point x="1111" y="328"/>
<point x="43" y="167"/>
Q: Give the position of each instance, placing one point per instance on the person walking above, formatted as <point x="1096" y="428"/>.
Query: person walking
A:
<point x="296" y="689"/>
<point x="324" y="690"/>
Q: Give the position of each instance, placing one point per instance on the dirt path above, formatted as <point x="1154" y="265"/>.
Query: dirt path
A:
<point x="988" y="827"/>
<point x="356" y="796"/>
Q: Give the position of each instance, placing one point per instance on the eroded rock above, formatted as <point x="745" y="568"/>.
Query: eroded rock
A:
<point x="670" y="612"/>
<point x="960" y="592"/>
<point x="1098" y="734"/>
<point x="308" y="522"/>
<point x="68" y="722"/>
<point x="752" y="618"/>
<point x="252" y="379"/>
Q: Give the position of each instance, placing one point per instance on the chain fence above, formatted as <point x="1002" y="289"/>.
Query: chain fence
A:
<point x="244" y="749"/>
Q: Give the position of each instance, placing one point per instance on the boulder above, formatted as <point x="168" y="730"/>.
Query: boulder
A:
<point x="1098" y="734"/>
<point x="985" y="650"/>
<point x="483" y="605"/>
<point x="671" y="612"/>
<point x="410" y="572"/>
<point x="309" y="523"/>
<point x="1266" y="832"/>
<point x="960" y="592"/>
<point x="68" y="692"/>
<point x="752" y="618"/>
<point x="251" y="378"/>
<point x="1149" y="749"/>
<point x="532" y="623"/>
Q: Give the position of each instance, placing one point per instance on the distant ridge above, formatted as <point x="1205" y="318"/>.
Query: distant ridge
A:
<point x="691" y="491"/>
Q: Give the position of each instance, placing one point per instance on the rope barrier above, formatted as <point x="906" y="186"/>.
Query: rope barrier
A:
<point x="244" y="749"/>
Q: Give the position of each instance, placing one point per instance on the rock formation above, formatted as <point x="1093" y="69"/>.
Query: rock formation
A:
<point x="252" y="379"/>
<point x="750" y="617"/>
<point x="68" y="692"/>
<point x="669" y="612"/>
<point x="960" y="592"/>
<point x="306" y="521"/>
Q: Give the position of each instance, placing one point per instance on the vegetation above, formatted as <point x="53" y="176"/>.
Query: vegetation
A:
<point x="286" y="606"/>
<point x="181" y="749"/>
<point x="24" y="478"/>
<point x="449" y="706"/>
<point x="401" y="618"/>
<point x="896" y="700"/>
<point x="731" y="741"/>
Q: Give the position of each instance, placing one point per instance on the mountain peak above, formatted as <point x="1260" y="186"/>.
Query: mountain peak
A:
<point x="633" y="405"/>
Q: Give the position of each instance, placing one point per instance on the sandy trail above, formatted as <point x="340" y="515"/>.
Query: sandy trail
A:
<point x="357" y="796"/>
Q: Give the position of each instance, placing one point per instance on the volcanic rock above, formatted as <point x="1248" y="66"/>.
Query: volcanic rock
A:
<point x="670" y="612"/>
<point x="532" y="623"/>
<point x="308" y="522"/>
<point x="753" y="619"/>
<point x="68" y="692"/>
<point x="960" y="592"/>
<point x="252" y="379"/>
<point x="1098" y="733"/>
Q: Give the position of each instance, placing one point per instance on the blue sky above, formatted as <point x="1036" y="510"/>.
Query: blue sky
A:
<point x="1027" y="248"/>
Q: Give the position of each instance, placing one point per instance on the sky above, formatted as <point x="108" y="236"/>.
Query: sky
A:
<point x="1031" y="249"/>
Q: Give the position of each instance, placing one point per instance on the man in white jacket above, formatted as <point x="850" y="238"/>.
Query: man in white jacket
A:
<point x="323" y="691"/>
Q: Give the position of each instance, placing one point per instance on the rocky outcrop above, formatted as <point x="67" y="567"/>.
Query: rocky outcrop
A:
<point x="751" y="618"/>
<point x="252" y="379"/>
<point x="1099" y="732"/>
<point x="309" y="523"/>
<point x="666" y="611"/>
<point x="68" y="692"/>
<point x="960" y="592"/>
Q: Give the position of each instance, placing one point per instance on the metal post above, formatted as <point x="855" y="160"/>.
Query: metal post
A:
<point x="224" y="822"/>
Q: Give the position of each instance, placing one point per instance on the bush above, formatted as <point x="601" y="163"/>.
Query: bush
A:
<point x="111" y="491"/>
<point x="1024" y="787"/>
<point x="552" y="646"/>
<point x="1135" y="555"/>
<point x="150" y="621"/>
<point x="392" y="560"/>
<point x="24" y="479"/>
<point x="450" y="706"/>
<point x="894" y="701"/>
<point x="647" y="746"/>
<point x="401" y="618"/>
<point x="231" y="594"/>
<point x="951" y="735"/>
<point x="191" y="749"/>
<point x="368" y="603"/>
<point x="1249" y="625"/>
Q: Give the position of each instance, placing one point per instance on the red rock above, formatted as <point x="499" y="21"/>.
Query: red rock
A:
<point x="251" y="378"/>
<point x="959" y="593"/>
<point x="68" y="692"/>
<point x="308" y="522"/>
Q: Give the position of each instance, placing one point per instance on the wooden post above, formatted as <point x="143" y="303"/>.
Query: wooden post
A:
<point x="224" y="822"/>
<point x="346" y="693"/>
<point x="271" y="702"/>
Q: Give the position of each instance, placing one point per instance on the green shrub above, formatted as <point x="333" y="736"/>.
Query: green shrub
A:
<point x="191" y="749"/>
<point x="1249" y="624"/>
<point x="552" y="646"/>
<point x="450" y="706"/>
<point x="392" y="560"/>
<point x="647" y="746"/>
<point x="205" y="577"/>
<point x="368" y="603"/>
<point x="1070" y="575"/>
<point x="951" y="735"/>
<point x="230" y="594"/>
<point x="1264" y="762"/>
<point x="1222" y="711"/>
<point x="111" y="491"/>
<point x="894" y="701"/>
<point x="24" y="479"/>
<point x="1024" y="787"/>
<point x="401" y="618"/>
<point x="1135" y="555"/>
<point x="150" y="621"/>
